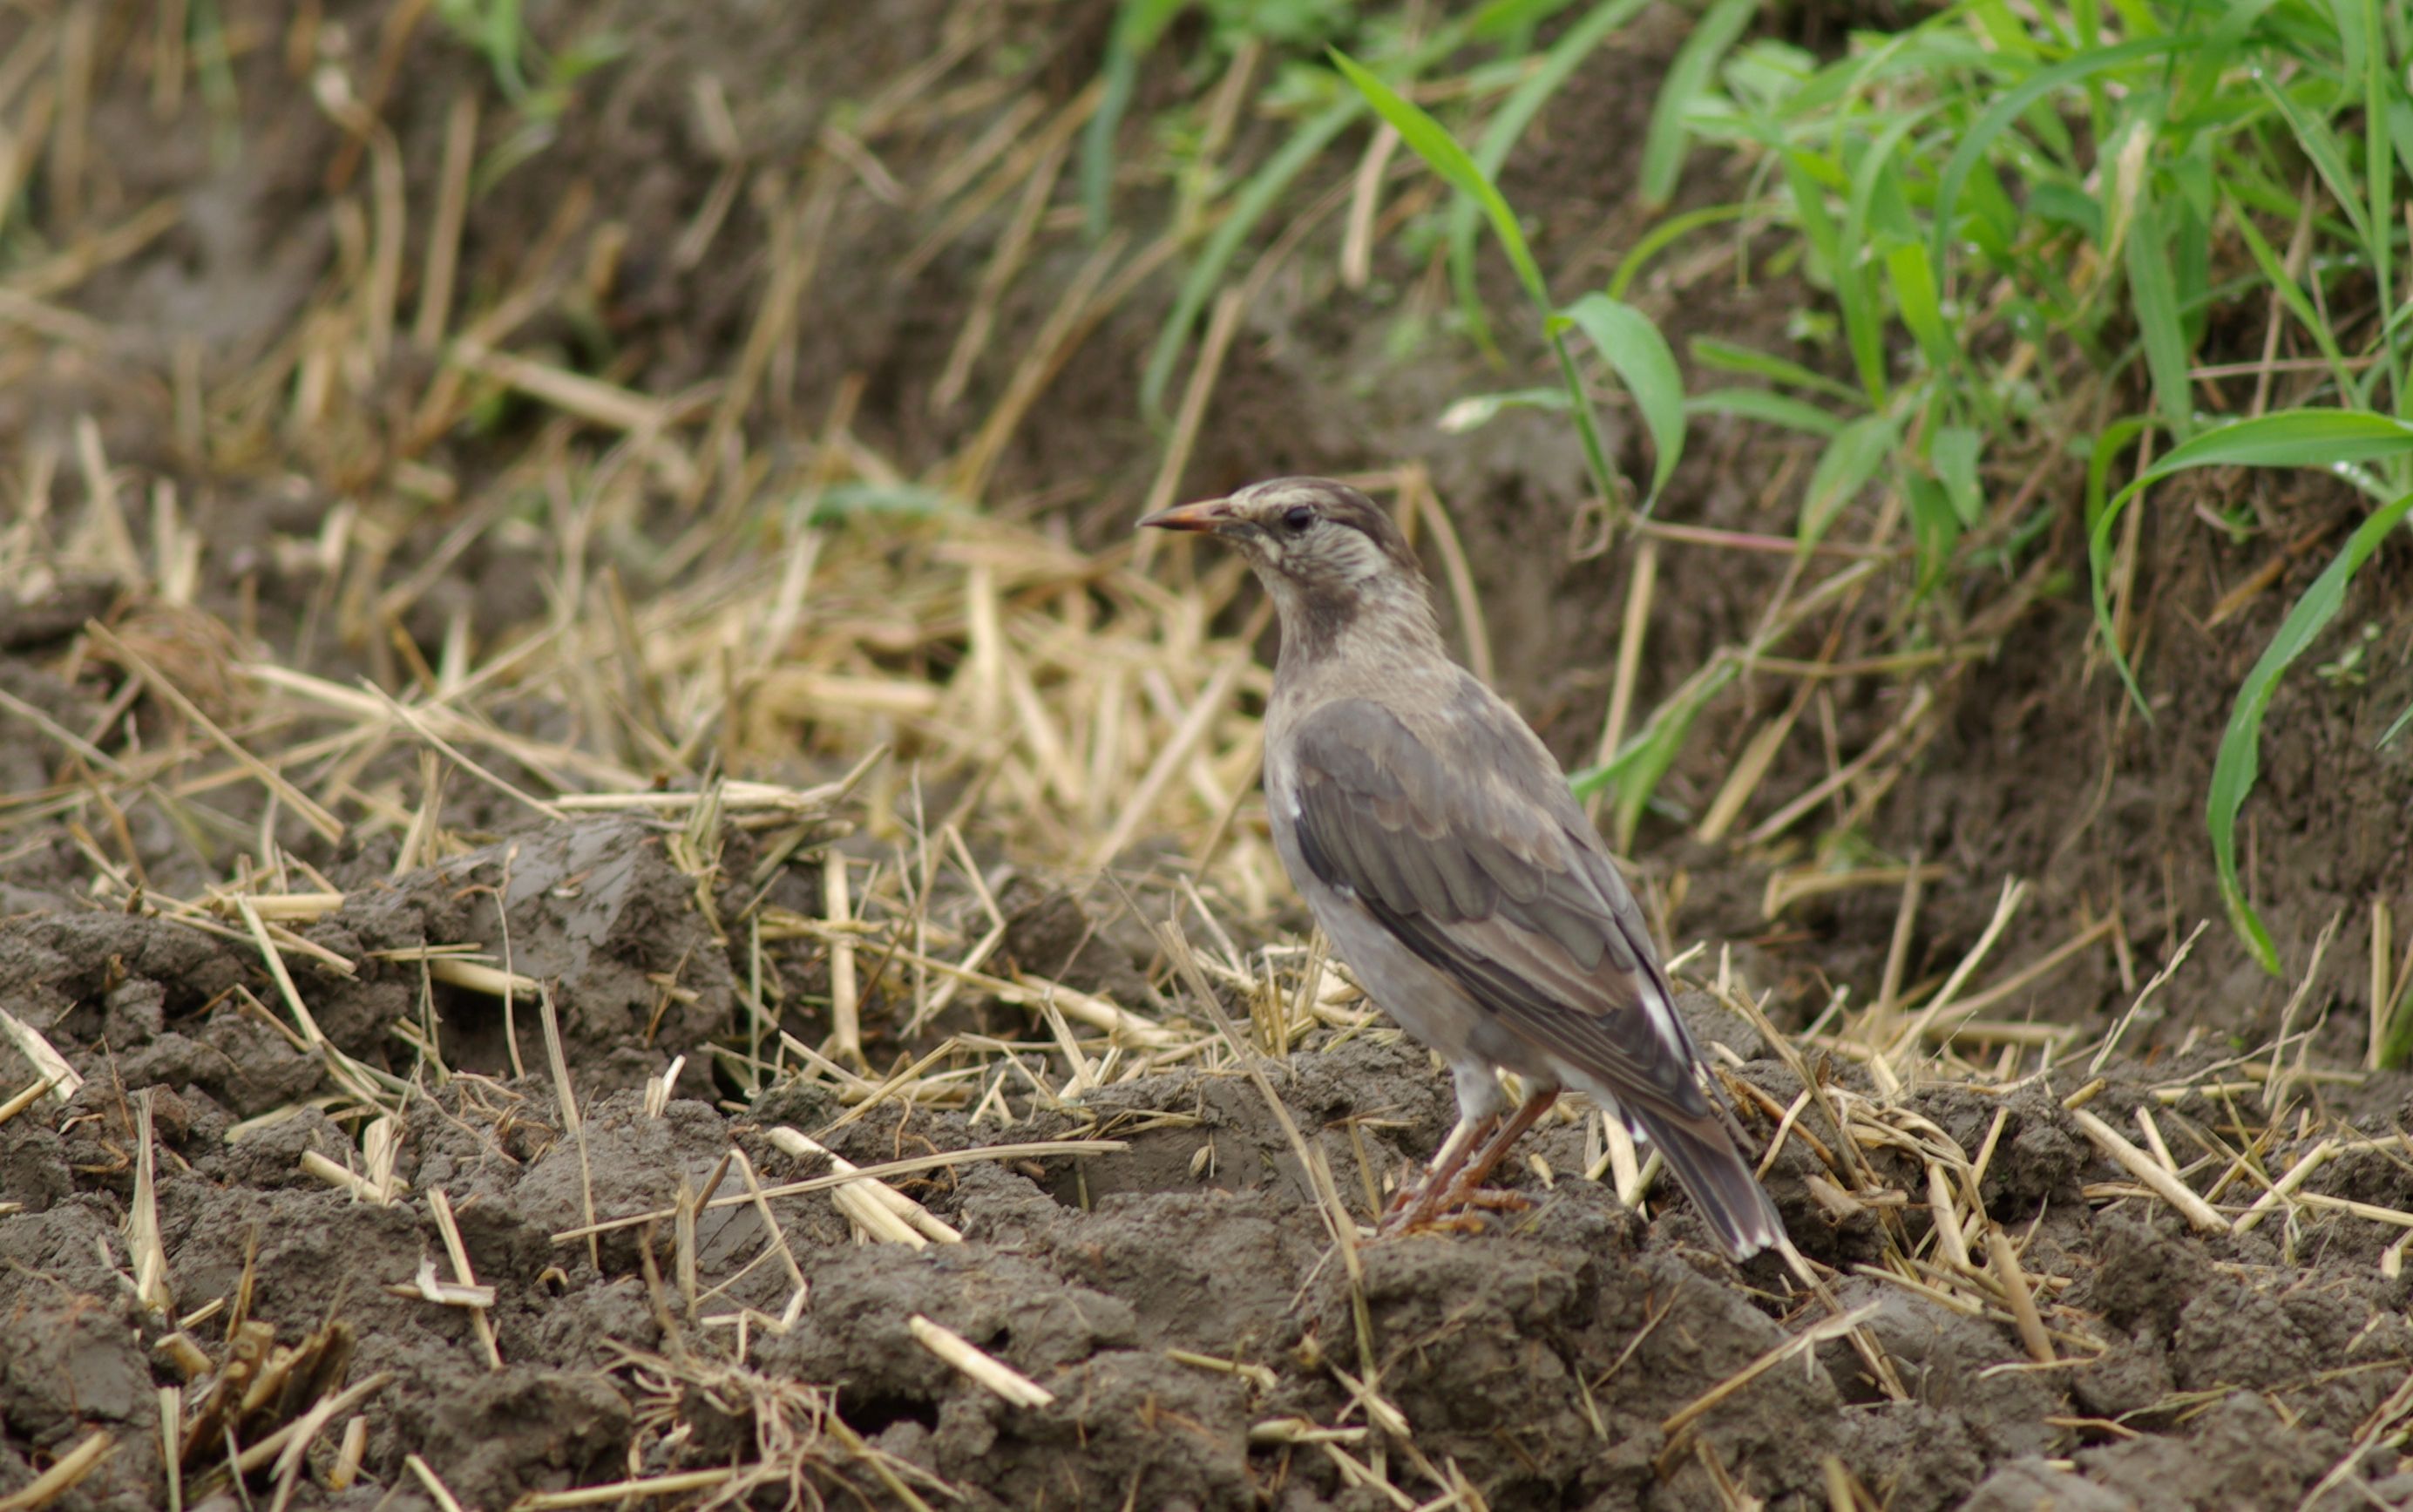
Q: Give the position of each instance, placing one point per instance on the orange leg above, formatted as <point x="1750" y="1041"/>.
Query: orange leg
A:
<point x="1446" y="1162"/>
<point x="1457" y="1183"/>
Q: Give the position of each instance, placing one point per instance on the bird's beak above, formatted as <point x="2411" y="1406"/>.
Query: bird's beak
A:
<point x="1212" y="516"/>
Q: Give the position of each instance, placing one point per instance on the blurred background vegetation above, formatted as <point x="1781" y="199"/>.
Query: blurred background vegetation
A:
<point x="1891" y="448"/>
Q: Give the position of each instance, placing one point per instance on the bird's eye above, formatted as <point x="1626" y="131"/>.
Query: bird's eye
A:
<point x="1297" y="518"/>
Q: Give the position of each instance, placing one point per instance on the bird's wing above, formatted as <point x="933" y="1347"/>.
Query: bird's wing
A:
<point x="1467" y="846"/>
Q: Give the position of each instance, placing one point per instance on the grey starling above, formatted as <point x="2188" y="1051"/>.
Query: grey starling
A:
<point x="1435" y="839"/>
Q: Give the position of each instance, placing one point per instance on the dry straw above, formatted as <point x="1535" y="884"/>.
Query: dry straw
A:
<point x="852" y="635"/>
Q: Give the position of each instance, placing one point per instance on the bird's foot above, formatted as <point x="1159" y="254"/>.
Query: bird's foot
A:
<point x="1454" y="1214"/>
<point x="1454" y="1183"/>
<point x="1459" y="1210"/>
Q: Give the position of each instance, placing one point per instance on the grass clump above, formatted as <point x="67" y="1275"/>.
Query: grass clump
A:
<point x="2031" y="227"/>
<point x="2028" y="229"/>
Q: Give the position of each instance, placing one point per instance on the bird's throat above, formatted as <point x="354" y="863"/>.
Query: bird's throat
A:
<point x="1368" y="623"/>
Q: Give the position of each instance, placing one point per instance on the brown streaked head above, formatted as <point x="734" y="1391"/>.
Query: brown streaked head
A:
<point x="1298" y="524"/>
<point x="1323" y="549"/>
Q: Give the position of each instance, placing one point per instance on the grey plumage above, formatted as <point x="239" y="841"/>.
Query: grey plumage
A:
<point x="1434" y="837"/>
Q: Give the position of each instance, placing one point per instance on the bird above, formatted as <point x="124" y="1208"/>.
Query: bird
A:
<point x="1436" y="841"/>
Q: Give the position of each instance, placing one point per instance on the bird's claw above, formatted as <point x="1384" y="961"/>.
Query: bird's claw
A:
<point x="1461" y="1211"/>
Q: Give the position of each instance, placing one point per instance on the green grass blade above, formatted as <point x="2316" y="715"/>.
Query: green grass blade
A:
<point x="1850" y="460"/>
<point x="1263" y="190"/>
<point x="2396" y="1045"/>
<point x="1635" y="771"/>
<point x="1913" y="279"/>
<point x="2328" y="157"/>
<point x="2207" y="59"/>
<point x="1429" y="139"/>
<point x="1955" y="455"/>
<point x="1664" y="144"/>
<point x="1508" y="127"/>
<point x="1441" y="151"/>
<point x="1639" y="777"/>
<point x="1766" y="407"/>
<point x="2388" y="736"/>
<point x="2290" y="438"/>
<point x="1499" y="19"/>
<point x="1934" y="525"/>
<point x="913" y="501"/>
<point x="1841" y="252"/>
<point x="1117" y="79"/>
<point x="1733" y="357"/>
<point x="1603" y="476"/>
<point x="1639" y="356"/>
<point x="1138" y="25"/>
<point x="2239" y="763"/>
<point x="2007" y="109"/>
<point x="1665" y="234"/>
<point x="2154" y="292"/>
<point x="2331" y="438"/>
<point x="1861" y="321"/>
<point x="2291" y="294"/>
<point x="1266" y="187"/>
<point x="2381" y="93"/>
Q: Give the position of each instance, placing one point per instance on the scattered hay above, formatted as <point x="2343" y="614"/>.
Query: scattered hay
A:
<point x="789" y="657"/>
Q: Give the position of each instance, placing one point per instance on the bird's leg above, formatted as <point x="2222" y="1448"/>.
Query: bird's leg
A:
<point x="1469" y="1185"/>
<point x="1446" y="1162"/>
<point x="1460" y="1184"/>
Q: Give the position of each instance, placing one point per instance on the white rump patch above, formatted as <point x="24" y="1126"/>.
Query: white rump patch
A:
<point x="1665" y="1024"/>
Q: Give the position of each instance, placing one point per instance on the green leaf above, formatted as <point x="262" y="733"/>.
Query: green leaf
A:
<point x="1913" y="292"/>
<point x="1766" y="405"/>
<point x="1499" y="19"/>
<point x="1507" y="125"/>
<point x="2382" y="91"/>
<point x="1934" y="523"/>
<point x="1663" y="145"/>
<point x="1429" y="139"/>
<point x="1639" y="355"/>
<point x="2328" y="157"/>
<point x="913" y="501"/>
<point x="1635" y="771"/>
<point x="1266" y="187"/>
<point x="2274" y="273"/>
<point x="1263" y="189"/>
<point x="2389" y="734"/>
<point x="1840" y="253"/>
<point x="1861" y="321"/>
<point x="1441" y="151"/>
<point x="2234" y="770"/>
<point x="2155" y="296"/>
<point x="2330" y="438"/>
<point x="1666" y="233"/>
<point x="2208" y="55"/>
<point x="1955" y="455"/>
<point x="2009" y="108"/>
<point x="1735" y="358"/>
<point x="1850" y="460"/>
<point x="1138" y="25"/>
<point x="2396" y="1043"/>
<point x="2290" y="438"/>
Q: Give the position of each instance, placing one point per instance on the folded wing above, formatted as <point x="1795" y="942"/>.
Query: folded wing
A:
<point x="1464" y="842"/>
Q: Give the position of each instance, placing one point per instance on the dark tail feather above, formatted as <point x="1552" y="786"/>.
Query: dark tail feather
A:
<point x="1719" y="1182"/>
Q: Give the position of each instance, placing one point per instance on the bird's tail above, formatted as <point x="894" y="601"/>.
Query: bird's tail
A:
<point x="1718" y="1181"/>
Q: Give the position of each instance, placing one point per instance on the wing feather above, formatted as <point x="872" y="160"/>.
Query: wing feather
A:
<point x="1467" y="846"/>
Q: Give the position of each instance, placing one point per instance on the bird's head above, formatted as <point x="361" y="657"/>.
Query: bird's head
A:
<point x="1326" y="553"/>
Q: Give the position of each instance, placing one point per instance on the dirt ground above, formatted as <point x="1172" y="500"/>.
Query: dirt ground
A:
<point x="279" y="1152"/>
